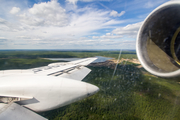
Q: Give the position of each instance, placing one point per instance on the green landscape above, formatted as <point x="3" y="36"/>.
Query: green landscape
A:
<point x="126" y="93"/>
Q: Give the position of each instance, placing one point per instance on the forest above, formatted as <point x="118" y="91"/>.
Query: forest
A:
<point x="127" y="92"/>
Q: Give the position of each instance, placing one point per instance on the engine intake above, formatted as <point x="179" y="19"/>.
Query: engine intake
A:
<point x="158" y="41"/>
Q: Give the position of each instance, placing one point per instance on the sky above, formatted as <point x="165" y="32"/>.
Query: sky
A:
<point x="72" y="24"/>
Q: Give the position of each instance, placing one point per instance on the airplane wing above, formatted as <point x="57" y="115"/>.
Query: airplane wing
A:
<point x="74" y="70"/>
<point x="56" y="77"/>
<point x="77" y="74"/>
<point x="14" y="111"/>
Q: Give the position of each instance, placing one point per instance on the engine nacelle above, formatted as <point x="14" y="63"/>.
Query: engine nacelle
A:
<point x="158" y="41"/>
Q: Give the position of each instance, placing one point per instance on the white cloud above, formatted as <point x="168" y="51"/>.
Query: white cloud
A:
<point x="23" y="37"/>
<point x="45" y="14"/>
<point x="3" y="40"/>
<point x="3" y="21"/>
<point x="110" y="37"/>
<point x="89" y="20"/>
<point x="116" y="14"/>
<point x="7" y="26"/>
<point x="2" y="37"/>
<point x="75" y="1"/>
<point x="122" y="37"/>
<point x="15" y="10"/>
<point x="151" y="4"/>
<point x="107" y="36"/>
<point x="129" y="30"/>
<point x="49" y="25"/>
<point x="72" y="1"/>
<point x="113" y="22"/>
<point x="95" y="37"/>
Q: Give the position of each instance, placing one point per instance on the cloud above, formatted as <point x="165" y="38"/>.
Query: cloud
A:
<point x="110" y="37"/>
<point x="48" y="25"/>
<point x="72" y="1"/>
<point x="129" y="30"/>
<point x="36" y="29"/>
<point x="15" y="10"/>
<point x="45" y="14"/>
<point x="75" y="1"/>
<point x="151" y="4"/>
<point x="3" y="39"/>
<point x="23" y="37"/>
<point x="7" y="26"/>
<point x="122" y="37"/>
<point x="106" y="43"/>
<point x="86" y="20"/>
<point x="95" y="37"/>
<point x="107" y="36"/>
<point x="3" y="21"/>
<point x="116" y="14"/>
<point x="113" y="22"/>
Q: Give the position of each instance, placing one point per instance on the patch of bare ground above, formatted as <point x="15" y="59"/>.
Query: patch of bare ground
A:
<point x="108" y="63"/>
<point x="112" y="63"/>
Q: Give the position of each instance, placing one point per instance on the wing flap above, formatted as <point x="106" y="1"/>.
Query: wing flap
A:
<point x="76" y="74"/>
<point x="56" y="69"/>
<point x="13" y="111"/>
<point x="10" y="98"/>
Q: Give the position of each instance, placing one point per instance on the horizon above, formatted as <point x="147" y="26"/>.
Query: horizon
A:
<point x="67" y="49"/>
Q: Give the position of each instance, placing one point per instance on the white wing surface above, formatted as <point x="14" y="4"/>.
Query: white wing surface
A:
<point x="77" y="74"/>
<point x="41" y="89"/>
<point x="73" y="70"/>
<point x="62" y="69"/>
<point x="13" y="111"/>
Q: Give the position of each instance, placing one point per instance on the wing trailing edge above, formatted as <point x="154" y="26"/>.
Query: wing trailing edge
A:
<point x="13" y="111"/>
<point x="77" y="74"/>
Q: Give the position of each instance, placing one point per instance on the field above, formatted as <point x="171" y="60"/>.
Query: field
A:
<point x="126" y="93"/>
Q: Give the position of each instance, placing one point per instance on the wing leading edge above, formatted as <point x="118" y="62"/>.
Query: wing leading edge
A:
<point x="48" y="87"/>
<point x="74" y="70"/>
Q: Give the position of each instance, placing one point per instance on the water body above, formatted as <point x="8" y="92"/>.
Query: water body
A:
<point x="99" y="59"/>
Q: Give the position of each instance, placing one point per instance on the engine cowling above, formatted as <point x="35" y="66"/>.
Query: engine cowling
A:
<point x="158" y="41"/>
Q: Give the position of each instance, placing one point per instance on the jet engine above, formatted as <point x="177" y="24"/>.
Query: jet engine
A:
<point x="158" y="41"/>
